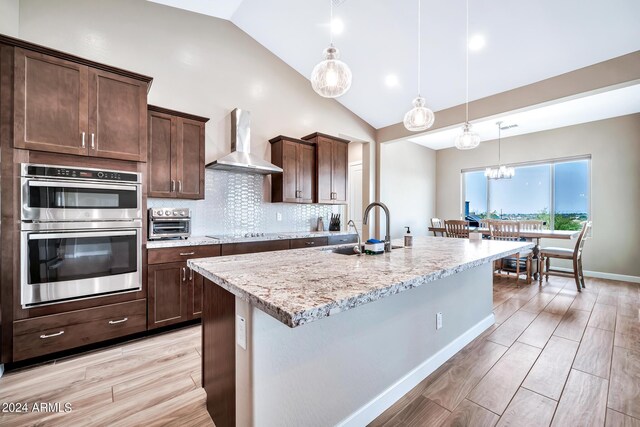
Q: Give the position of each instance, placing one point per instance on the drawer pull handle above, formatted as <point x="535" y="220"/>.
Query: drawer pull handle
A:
<point x="115" y="322"/>
<point x="57" y="334"/>
<point x="310" y="243"/>
<point x="186" y="253"/>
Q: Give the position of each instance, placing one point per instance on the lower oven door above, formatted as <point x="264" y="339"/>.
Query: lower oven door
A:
<point x="63" y="265"/>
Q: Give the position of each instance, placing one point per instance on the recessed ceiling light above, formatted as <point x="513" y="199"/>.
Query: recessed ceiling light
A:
<point x="337" y="26"/>
<point x="476" y="42"/>
<point x="391" y="80"/>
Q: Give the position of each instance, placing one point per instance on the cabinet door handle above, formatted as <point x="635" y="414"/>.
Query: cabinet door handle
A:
<point x="190" y="274"/>
<point x="93" y="141"/>
<point x="310" y="243"/>
<point x="173" y="185"/>
<point x="186" y="253"/>
<point x="83" y="144"/>
<point x="115" y="322"/>
<point x="180" y="185"/>
<point x="184" y="274"/>
<point x="57" y="334"/>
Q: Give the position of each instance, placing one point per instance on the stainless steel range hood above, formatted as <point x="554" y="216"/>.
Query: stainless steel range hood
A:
<point x="240" y="159"/>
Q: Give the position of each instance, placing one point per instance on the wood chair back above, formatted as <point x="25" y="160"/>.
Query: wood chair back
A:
<point x="485" y="223"/>
<point x="457" y="228"/>
<point x="531" y="225"/>
<point x="577" y="251"/>
<point x="505" y="230"/>
<point x="437" y="223"/>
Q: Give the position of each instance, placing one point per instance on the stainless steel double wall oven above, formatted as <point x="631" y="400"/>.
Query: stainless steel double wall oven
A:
<point x="81" y="233"/>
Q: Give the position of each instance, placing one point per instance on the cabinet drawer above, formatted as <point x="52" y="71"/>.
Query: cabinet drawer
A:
<point x="57" y="332"/>
<point x="341" y="240"/>
<point x="252" y="247"/>
<point x="182" y="253"/>
<point x="309" y="242"/>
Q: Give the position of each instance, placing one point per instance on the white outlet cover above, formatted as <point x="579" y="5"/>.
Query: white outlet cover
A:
<point x="279" y="216"/>
<point x="241" y="332"/>
<point x="438" y="321"/>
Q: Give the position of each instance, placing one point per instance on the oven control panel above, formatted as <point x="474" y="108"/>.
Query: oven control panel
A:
<point x="91" y="174"/>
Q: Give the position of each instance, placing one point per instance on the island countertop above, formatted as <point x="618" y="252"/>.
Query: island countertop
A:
<point x="304" y="285"/>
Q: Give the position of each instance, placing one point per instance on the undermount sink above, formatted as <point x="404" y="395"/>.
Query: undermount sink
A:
<point x="349" y="250"/>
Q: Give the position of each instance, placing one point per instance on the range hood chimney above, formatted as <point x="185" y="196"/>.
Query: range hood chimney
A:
<point x="240" y="159"/>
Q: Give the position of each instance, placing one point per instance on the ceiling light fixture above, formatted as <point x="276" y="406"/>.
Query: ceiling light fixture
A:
<point x="331" y="78"/>
<point x="391" y="80"/>
<point x="419" y="117"/>
<point x="467" y="140"/>
<point x="501" y="172"/>
<point x="337" y="26"/>
<point x="476" y="42"/>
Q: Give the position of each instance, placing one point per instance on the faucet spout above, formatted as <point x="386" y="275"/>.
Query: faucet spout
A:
<point x="365" y="220"/>
<point x="357" y="249"/>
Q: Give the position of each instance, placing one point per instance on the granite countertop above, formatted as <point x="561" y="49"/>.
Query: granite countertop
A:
<point x="222" y="239"/>
<point x="304" y="285"/>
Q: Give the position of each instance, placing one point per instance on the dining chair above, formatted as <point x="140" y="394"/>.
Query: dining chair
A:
<point x="531" y="225"/>
<point x="510" y="231"/>
<point x="457" y="228"/>
<point x="437" y="223"/>
<point x="575" y="254"/>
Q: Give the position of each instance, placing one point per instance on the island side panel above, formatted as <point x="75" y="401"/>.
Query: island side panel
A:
<point x="219" y="354"/>
<point x="347" y="368"/>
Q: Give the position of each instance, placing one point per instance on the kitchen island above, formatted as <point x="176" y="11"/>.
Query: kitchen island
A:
<point x="317" y="337"/>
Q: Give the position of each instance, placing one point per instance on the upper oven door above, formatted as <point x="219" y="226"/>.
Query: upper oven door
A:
<point x="62" y="265"/>
<point x="69" y="200"/>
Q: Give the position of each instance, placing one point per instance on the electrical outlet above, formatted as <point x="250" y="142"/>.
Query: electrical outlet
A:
<point x="438" y="320"/>
<point x="278" y="216"/>
<point x="241" y="332"/>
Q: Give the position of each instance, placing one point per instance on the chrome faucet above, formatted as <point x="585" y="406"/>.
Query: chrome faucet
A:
<point x="357" y="249"/>
<point x="365" y="220"/>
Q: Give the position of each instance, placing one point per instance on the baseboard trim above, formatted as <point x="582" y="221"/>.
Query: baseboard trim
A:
<point x="388" y="397"/>
<point x="602" y="275"/>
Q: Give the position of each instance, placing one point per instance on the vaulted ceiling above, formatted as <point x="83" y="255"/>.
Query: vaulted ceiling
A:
<point x="526" y="41"/>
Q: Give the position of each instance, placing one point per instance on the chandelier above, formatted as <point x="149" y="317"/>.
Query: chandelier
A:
<point x="468" y="139"/>
<point x="501" y="172"/>
<point x="419" y="117"/>
<point x="331" y="78"/>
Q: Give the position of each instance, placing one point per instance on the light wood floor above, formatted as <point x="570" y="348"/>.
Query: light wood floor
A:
<point x="152" y="382"/>
<point x="554" y="357"/>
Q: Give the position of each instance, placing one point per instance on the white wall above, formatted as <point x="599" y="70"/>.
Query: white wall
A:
<point x="201" y="65"/>
<point x="9" y="17"/>
<point x="614" y="145"/>
<point x="407" y="186"/>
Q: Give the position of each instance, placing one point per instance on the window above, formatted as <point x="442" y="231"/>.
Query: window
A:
<point x="556" y="192"/>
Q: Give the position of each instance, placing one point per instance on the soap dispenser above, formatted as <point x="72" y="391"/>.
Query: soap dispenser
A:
<point x="408" y="238"/>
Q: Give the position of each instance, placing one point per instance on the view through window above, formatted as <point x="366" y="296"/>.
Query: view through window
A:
<point x="555" y="192"/>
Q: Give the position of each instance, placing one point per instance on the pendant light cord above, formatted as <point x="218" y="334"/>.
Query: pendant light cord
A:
<point x="467" y="65"/>
<point x="419" y="28"/>
<point x="499" y="144"/>
<point x="331" y="21"/>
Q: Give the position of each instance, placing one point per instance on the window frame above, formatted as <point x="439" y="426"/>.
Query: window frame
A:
<point x="552" y="179"/>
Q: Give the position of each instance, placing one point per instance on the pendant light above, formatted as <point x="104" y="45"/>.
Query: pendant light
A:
<point x="419" y="117"/>
<point x="501" y="172"/>
<point x="331" y="78"/>
<point x="468" y="139"/>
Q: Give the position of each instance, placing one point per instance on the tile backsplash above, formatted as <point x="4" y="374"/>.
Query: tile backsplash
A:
<point x="234" y="205"/>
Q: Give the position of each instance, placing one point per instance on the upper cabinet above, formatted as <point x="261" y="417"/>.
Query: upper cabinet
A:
<point x="296" y="184"/>
<point x="176" y="154"/>
<point x="332" y="164"/>
<point x="64" y="104"/>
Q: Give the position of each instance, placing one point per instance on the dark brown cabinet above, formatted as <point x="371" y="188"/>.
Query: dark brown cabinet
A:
<point x="174" y="290"/>
<point x="297" y="158"/>
<point x="64" y="106"/>
<point x="176" y="154"/>
<point x="331" y="164"/>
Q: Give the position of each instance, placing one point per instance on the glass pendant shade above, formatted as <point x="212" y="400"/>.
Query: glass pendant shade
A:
<point x="468" y="139"/>
<point x="419" y="117"/>
<point x="331" y="78"/>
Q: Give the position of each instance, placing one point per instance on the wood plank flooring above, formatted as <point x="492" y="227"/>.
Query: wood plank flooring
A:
<point x="153" y="381"/>
<point x="555" y="357"/>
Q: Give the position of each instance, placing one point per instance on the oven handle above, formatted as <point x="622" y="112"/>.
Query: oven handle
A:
<point x="38" y="183"/>
<point x="44" y="236"/>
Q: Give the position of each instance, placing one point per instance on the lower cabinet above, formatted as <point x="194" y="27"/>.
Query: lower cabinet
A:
<point x="57" y="332"/>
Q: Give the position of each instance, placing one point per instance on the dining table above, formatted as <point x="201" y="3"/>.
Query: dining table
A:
<point x="531" y="235"/>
